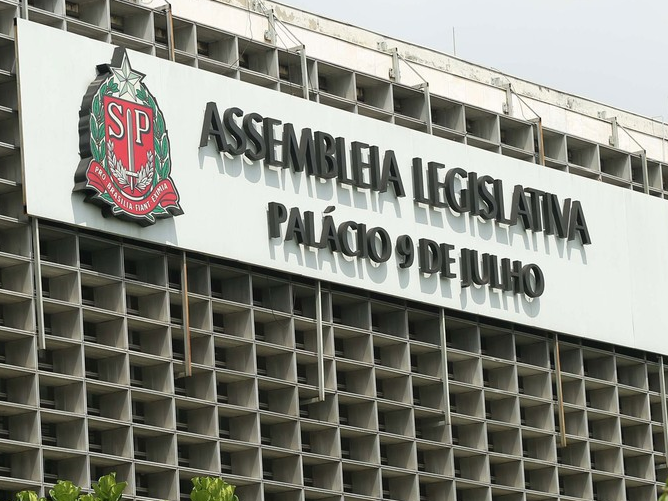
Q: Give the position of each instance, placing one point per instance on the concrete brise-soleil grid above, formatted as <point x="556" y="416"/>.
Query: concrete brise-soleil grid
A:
<point x="109" y="392"/>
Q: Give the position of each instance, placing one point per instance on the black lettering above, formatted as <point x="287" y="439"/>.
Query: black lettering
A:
<point x="578" y="224"/>
<point x="429" y="256"/>
<point x="254" y="138"/>
<point x="341" y="160"/>
<point x="446" y="261"/>
<point x="489" y="210"/>
<point x="391" y="175"/>
<point x="418" y="183"/>
<point x="276" y="214"/>
<point x="270" y="141"/>
<point x="212" y="126"/>
<point x="344" y="234"/>
<point x="450" y="178"/>
<point x="235" y="130"/>
<point x="533" y="288"/>
<point x="296" y="228"/>
<point x="325" y="149"/>
<point x="535" y="195"/>
<point x="378" y="255"/>
<point x="520" y="208"/>
<point x="298" y="155"/>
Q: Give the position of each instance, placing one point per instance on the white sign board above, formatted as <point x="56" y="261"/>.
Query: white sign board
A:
<point x="611" y="290"/>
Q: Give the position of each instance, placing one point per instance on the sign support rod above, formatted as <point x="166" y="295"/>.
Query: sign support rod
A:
<point x="186" y="314"/>
<point x="664" y="405"/>
<point x="37" y="276"/>
<point x="560" y="393"/>
<point x="319" y="342"/>
<point x="446" y="383"/>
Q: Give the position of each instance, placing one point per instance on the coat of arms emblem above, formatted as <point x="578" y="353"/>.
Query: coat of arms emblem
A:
<point x="125" y="160"/>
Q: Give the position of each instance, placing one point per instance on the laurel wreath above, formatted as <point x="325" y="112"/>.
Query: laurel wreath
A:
<point x="144" y="176"/>
<point x="101" y="149"/>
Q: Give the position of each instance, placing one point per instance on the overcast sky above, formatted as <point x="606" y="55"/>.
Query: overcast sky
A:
<point x="611" y="51"/>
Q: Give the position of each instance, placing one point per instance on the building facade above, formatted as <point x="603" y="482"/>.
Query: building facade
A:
<point x="343" y="268"/>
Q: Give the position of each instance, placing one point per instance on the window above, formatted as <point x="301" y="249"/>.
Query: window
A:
<point x="301" y="374"/>
<point x="220" y="354"/>
<point x="138" y="412"/>
<point x="223" y="427"/>
<point x="267" y="470"/>
<point x="221" y="391"/>
<point x="218" y="323"/>
<point x="225" y="462"/>
<point x="92" y="369"/>
<point x="4" y="426"/>
<point x="345" y="448"/>
<point x="136" y="376"/>
<point x="306" y="441"/>
<point x="86" y="259"/>
<point x="183" y="452"/>
<point x="134" y="340"/>
<point x="265" y="434"/>
<point x="217" y="287"/>
<point x="174" y="277"/>
<point x="178" y="349"/>
<point x="140" y="448"/>
<point x="175" y="313"/>
<point x="181" y="419"/>
<point x="180" y="386"/>
<point x="45" y="360"/>
<point x="130" y="269"/>
<point x="50" y="471"/>
<point x="132" y="304"/>
<point x="93" y="404"/>
<point x="49" y="434"/>
<point x="261" y="366"/>
<point x="90" y="332"/>
<point x="95" y="441"/>
<point x="47" y="398"/>
<point x="263" y="399"/>
<point x="141" y="485"/>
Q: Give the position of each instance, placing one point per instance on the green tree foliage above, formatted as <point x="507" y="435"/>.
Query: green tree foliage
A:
<point x="212" y="489"/>
<point x="105" y="489"/>
<point x="108" y="489"/>
<point x="664" y="496"/>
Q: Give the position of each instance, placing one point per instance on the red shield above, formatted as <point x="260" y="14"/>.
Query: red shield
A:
<point x="130" y="149"/>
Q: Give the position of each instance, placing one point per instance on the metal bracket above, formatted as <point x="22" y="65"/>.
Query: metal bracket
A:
<point x="614" y="137"/>
<point x="508" y="105"/>
<point x="645" y="173"/>
<point x="395" y="72"/>
<point x="270" y="32"/>
<point x="301" y="50"/>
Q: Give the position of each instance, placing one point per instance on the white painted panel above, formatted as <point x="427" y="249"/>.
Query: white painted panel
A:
<point x="610" y="290"/>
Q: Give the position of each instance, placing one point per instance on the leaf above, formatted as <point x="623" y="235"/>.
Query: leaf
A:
<point x="165" y="146"/>
<point x="165" y="168"/>
<point x="96" y="105"/>
<point x="141" y="94"/>
<point x="94" y="129"/>
<point x="26" y="496"/>
<point x="212" y="489"/>
<point x="159" y="125"/>
<point x="64" y="490"/>
<point x="103" y="89"/>
<point x="199" y="495"/>
<point x="107" y="489"/>
<point x="95" y="152"/>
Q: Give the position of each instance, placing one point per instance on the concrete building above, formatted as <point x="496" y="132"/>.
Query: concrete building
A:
<point x="319" y="262"/>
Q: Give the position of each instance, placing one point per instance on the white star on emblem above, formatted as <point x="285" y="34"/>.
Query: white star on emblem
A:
<point x="128" y="80"/>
